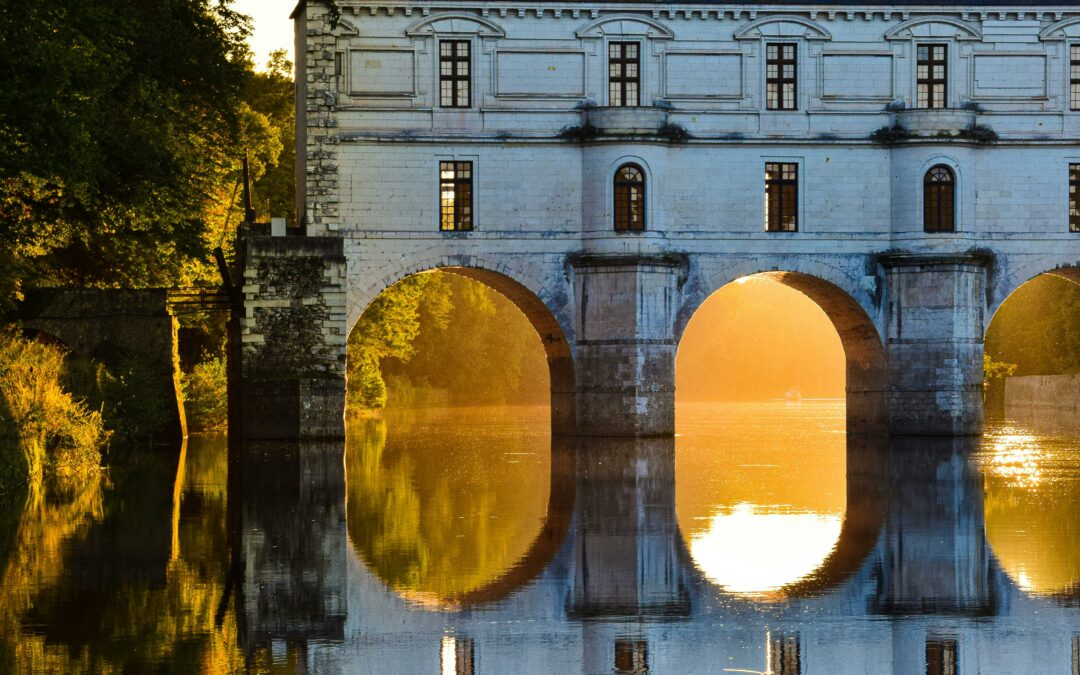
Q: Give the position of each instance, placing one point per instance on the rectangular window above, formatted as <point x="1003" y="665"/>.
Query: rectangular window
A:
<point x="781" y="197"/>
<point x="455" y="196"/>
<point x="781" y="80"/>
<point x="932" y="76"/>
<point x="785" y="658"/>
<point x="339" y="72"/>
<point x="942" y="657"/>
<point x="1074" y="198"/>
<point x="624" y="74"/>
<point x="454" y="74"/>
<point x="631" y="657"/>
<point x="1074" y="77"/>
<point x="457" y="656"/>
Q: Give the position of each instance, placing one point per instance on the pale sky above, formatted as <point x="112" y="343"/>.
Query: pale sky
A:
<point x="273" y="30"/>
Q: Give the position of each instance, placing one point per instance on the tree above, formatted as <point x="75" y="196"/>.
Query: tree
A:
<point x="119" y="120"/>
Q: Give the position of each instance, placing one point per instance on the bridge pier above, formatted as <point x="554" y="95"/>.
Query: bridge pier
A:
<point x="288" y="342"/>
<point x="935" y="343"/>
<point x="626" y="344"/>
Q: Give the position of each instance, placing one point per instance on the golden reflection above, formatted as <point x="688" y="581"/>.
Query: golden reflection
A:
<point x="751" y="549"/>
<point x="443" y="503"/>
<point x="1032" y="522"/>
<point x="1015" y="457"/>
<point x="760" y="490"/>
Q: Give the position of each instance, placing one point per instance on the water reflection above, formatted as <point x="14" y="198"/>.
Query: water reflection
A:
<point x="761" y="496"/>
<point x="534" y="557"/>
<point x="451" y="507"/>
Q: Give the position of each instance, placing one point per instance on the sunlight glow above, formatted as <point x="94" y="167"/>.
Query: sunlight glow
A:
<point x="752" y="550"/>
<point x="1017" y="457"/>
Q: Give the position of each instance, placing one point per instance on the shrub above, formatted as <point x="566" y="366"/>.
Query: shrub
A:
<point x="980" y="133"/>
<point x="674" y="133"/>
<point x="579" y="133"/>
<point x="206" y="396"/>
<point x="890" y="135"/>
<point x="50" y="435"/>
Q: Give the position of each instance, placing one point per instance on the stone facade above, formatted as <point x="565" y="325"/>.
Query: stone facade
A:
<point x="544" y="146"/>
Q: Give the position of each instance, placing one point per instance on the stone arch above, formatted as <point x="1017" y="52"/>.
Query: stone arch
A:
<point x="627" y="24"/>
<point x="783" y="25"/>
<point x="535" y="302"/>
<point x="850" y="306"/>
<point x="953" y="28"/>
<point x="1008" y="281"/>
<point x="454" y="22"/>
<point x="1061" y="30"/>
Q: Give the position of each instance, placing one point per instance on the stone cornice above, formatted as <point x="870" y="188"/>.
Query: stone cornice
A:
<point x="705" y="9"/>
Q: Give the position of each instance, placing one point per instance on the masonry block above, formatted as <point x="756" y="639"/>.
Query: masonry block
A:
<point x="290" y="351"/>
<point x="935" y="343"/>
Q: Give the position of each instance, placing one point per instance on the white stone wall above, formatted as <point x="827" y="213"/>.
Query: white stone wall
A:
<point x="537" y="193"/>
<point x="543" y="197"/>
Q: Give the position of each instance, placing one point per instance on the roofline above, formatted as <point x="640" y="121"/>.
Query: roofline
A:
<point x="299" y="8"/>
<point x="896" y="6"/>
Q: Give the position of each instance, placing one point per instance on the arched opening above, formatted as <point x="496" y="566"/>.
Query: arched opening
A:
<point x="454" y="474"/>
<point x="778" y="376"/>
<point x="1031" y="447"/>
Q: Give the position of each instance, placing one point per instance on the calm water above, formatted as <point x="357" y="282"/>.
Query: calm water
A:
<point x="760" y="540"/>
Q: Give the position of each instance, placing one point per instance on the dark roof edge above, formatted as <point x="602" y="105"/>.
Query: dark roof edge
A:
<point x="299" y="8"/>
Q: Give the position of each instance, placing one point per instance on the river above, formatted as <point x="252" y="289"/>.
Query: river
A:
<point x="761" y="539"/>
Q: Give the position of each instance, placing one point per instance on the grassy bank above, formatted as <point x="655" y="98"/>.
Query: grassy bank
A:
<point x="45" y="434"/>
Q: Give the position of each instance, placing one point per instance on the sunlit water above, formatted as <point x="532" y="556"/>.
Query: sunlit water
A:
<point x="761" y="539"/>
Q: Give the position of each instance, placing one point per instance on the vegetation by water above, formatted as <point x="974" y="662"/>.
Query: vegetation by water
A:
<point x="48" y="434"/>
<point x="206" y="396"/>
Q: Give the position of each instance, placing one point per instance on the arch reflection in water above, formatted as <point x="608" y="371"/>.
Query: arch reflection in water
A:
<point x="910" y="583"/>
<point x="453" y="507"/>
<point x="763" y="492"/>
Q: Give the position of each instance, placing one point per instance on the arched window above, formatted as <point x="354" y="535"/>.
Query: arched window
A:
<point x="629" y="198"/>
<point x="939" y="197"/>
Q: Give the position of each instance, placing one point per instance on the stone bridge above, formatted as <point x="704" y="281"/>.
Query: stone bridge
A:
<point x="911" y="323"/>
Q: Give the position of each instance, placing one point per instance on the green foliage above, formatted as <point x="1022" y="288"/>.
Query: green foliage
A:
<point x="122" y="129"/>
<point x="1037" y="328"/>
<point x="49" y="435"/>
<point x="206" y="396"/>
<point x="439" y="338"/>
<point x="132" y="408"/>
<point x="388" y="328"/>
<point x="996" y="370"/>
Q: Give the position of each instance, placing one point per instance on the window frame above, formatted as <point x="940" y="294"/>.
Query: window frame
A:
<point x="1073" y="192"/>
<point x="452" y="214"/>
<point x="1073" y="77"/>
<point x="927" y="184"/>
<point x="616" y="185"/>
<point x="623" y="80"/>
<point x="455" y="77"/>
<point x="779" y="80"/>
<point x="930" y="81"/>
<point x="782" y="184"/>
